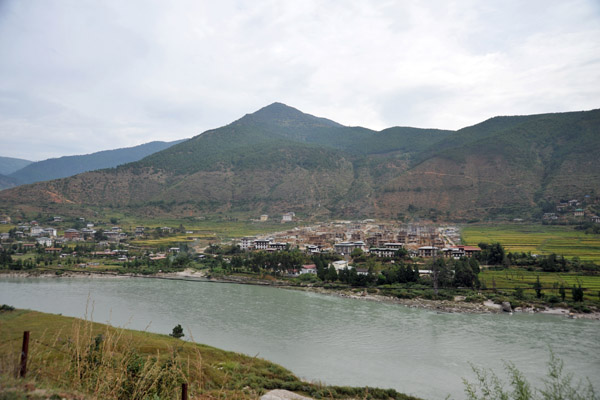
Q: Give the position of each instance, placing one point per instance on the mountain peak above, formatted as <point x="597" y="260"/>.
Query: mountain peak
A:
<point x="283" y="115"/>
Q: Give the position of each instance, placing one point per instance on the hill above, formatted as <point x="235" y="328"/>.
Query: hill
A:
<point x="279" y="159"/>
<point x="8" y="165"/>
<point x="7" y="182"/>
<point x="62" y="167"/>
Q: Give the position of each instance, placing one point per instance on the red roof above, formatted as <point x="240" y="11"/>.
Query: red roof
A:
<point x="309" y="266"/>
<point x="469" y="248"/>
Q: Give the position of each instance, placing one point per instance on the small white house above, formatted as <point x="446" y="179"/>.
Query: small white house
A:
<point x="308" y="269"/>
<point x="339" y="265"/>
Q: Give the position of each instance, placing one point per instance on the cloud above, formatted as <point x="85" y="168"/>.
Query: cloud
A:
<point x="86" y="75"/>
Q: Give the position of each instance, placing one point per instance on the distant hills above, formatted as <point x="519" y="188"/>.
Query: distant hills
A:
<point x="62" y="167"/>
<point x="279" y="159"/>
<point x="8" y="165"/>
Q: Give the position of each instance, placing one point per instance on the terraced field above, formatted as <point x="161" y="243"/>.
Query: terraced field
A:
<point x="512" y="278"/>
<point x="537" y="239"/>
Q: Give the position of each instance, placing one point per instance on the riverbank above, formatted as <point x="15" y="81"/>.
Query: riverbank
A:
<point x="115" y="363"/>
<point x="457" y="305"/>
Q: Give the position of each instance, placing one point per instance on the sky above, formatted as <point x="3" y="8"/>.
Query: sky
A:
<point x="79" y="76"/>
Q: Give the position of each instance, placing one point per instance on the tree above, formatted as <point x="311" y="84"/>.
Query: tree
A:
<point x="538" y="288"/>
<point x="577" y="293"/>
<point x="562" y="292"/>
<point x="177" y="332"/>
<point x="331" y="274"/>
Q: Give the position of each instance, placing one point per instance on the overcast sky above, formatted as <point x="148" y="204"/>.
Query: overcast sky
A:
<point x="82" y="76"/>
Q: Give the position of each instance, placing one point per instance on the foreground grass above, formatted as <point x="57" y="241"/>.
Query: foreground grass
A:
<point x="537" y="239"/>
<point x="91" y="360"/>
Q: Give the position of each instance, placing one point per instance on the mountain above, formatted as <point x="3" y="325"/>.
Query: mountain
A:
<point x="62" y="167"/>
<point x="279" y="159"/>
<point x="8" y="165"/>
<point x="7" y="182"/>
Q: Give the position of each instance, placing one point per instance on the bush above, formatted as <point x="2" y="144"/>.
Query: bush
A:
<point x="557" y="385"/>
<point x="554" y="300"/>
<point x="6" y="308"/>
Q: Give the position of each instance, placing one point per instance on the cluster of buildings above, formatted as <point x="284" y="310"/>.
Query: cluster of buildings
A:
<point x="49" y="236"/>
<point x="572" y="208"/>
<point x="383" y="240"/>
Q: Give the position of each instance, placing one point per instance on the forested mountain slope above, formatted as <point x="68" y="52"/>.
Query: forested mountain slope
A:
<point x="280" y="159"/>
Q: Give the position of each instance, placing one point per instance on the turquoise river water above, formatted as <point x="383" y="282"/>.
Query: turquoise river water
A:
<point x="326" y="338"/>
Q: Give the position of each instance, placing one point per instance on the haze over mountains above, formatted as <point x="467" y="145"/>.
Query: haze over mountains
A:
<point x="279" y="159"/>
<point x="19" y="172"/>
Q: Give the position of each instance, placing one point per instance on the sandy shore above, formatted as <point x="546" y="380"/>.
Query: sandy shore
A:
<point x="446" y="306"/>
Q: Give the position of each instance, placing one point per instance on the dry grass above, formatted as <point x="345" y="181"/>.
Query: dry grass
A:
<point x="80" y="359"/>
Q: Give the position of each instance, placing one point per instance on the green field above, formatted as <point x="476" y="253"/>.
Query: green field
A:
<point x="511" y="278"/>
<point x="537" y="239"/>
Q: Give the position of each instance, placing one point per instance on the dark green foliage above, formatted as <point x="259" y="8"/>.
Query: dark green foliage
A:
<point x="6" y="308"/>
<point x="177" y="332"/>
<point x="577" y="293"/>
<point x="562" y="292"/>
<point x="537" y="286"/>
<point x="491" y="254"/>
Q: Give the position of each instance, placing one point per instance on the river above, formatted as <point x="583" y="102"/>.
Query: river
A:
<point x="326" y="338"/>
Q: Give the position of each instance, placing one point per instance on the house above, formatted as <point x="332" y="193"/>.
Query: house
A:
<point x="288" y="217"/>
<point x="313" y="249"/>
<point x="264" y="217"/>
<point x="277" y="246"/>
<point x="395" y="246"/>
<point x="4" y="236"/>
<point x="347" y="247"/>
<point x="573" y="202"/>
<point x="247" y="243"/>
<point x="596" y="219"/>
<point x="308" y="269"/>
<point x="139" y="231"/>
<point x="174" y="250"/>
<point x="578" y="212"/>
<point x="36" y="231"/>
<point x="470" y="250"/>
<point x="45" y="241"/>
<point x="57" y="219"/>
<point x="362" y="271"/>
<point x="339" y="265"/>
<point x="382" y="252"/>
<point x="428" y="251"/>
<point x="73" y="234"/>
<point x="49" y="232"/>
<point x="87" y="233"/>
<point x="262" y="244"/>
<point x="53" y="250"/>
<point x="550" y="216"/>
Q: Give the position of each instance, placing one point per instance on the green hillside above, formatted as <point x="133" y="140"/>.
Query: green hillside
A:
<point x="279" y="159"/>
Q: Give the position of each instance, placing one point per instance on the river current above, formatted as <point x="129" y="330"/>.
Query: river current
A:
<point x="326" y="338"/>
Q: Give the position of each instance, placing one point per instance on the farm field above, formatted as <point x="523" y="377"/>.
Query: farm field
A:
<point x="221" y="229"/>
<point x="537" y="239"/>
<point x="511" y="278"/>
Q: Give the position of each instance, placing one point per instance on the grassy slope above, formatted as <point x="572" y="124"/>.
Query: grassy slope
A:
<point x="210" y="372"/>
<point x="537" y="239"/>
